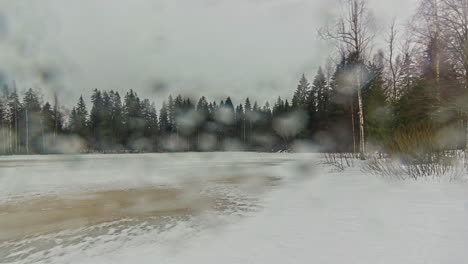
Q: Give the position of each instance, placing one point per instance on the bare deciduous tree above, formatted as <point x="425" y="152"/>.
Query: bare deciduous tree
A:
<point x="427" y="27"/>
<point x="394" y="60"/>
<point x="454" y="19"/>
<point x="353" y="33"/>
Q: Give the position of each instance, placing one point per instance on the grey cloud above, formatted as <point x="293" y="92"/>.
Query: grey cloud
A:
<point x="255" y="48"/>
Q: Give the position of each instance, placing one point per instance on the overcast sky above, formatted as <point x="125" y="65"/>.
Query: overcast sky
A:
<point x="255" y="48"/>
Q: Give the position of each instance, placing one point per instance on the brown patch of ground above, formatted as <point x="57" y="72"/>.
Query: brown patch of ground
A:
<point x="264" y="181"/>
<point x="38" y="216"/>
<point x="53" y="214"/>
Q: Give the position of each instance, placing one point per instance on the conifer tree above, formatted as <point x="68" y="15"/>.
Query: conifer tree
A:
<point x="249" y="119"/>
<point x="377" y="109"/>
<point x="117" y="118"/>
<point x="47" y="125"/>
<point x="317" y="103"/>
<point x="57" y="117"/>
<point x="151" y="120"/>
<point x="164" y="124"/>
<point x="31" y="118"/>
<point x="79" y="123"/>
<point x="203" y="111"/>
<point x="96" y="118"/>
<point x="14" y="107"/>
<point x="300" y="95"/>
<point x="134" y="120"/>
<point x="3" y="125"/>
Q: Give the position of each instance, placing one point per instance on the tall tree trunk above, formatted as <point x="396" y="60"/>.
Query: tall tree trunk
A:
<point x="437" y="41"/>
<point x="198" y="139"/>
<point x="465" y="114"/>
<point x="16" y="130"/>
<point x="27" y="131"/>
<point x="243" y="126"/>
<point x="42" y="137"/>
<point x="362" y="143"/>
<point x="56" y="117"/>
<point x="353" y="126"/>
<point x="4" y="139"/>
<point x="9" y="137"/>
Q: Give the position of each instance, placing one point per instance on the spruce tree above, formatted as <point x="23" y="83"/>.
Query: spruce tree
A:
<point x="133" y="117"/>
<point x="203" y="116"/>
<point x="3" y="125"/>
<point x="377" y="109"/>
<point x="31" y="119"/>
<point x="47" y="125"/>
<point x="81" y="124"/>
<point x="106" y="114"/>
<point x="317" y="103"/>
<point x="57" y="117"/>
<point x="96" y="118"/>
<point x="117" y="118"/>
<point x="299" y="100"/>
<point x="164" y="124"/>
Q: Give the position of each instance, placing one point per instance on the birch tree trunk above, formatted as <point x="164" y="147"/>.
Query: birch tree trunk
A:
<point x="362" y="142"/>
<point x="352" y="33"/>
<point x="353" y="127"/>
<point x="27" y="131"/>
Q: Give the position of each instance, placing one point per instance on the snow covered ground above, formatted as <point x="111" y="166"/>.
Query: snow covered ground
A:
<point x="308" y="215"/>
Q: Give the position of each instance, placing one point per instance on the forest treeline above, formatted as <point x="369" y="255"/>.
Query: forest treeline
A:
<point x="412" y="90"/>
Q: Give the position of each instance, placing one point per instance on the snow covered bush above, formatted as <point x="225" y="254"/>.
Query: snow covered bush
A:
<point x="451" y="168"/>
<point x="340" y="161"/>
<point x="422" y="150"/>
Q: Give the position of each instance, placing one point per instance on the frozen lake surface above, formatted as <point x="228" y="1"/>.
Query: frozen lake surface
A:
<point x="222" y="207"/>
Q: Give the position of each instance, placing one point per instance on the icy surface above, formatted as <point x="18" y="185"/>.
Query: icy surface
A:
<point x="26" y="176"/>
<point x="312" y="216"/>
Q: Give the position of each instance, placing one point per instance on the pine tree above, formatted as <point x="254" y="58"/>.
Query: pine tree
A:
<point x="171" y="113"/>
<point x="240" y="123"/>
<point x="377" y="109"/>
<point x="178" y="113"/>
<point x="31" y="118"/>
<point x="14" y="107"/>
<point x="48" y="125"/>
<point x="3" y="125"/>
<point x="153" y="123"/>
<point x="225" y="119"/>
<point x="203" y="112"/>
<point x="58" y="117"/>
<point x="106" y="114"/>
<point x="278" y="108"/>
<point x="133" y="117"/>
<point x="300" y="95"/>
<point x="249" y="119"/>
<point x="151" y="119"/>
<point x="96" y="119"/>
<point x="164" y="124"/>
<point x="267" y="110"/>
<point x="73" y="120"/>
<point x="203" y="108"/>
<point x="79" y="120"/>
<point x="408" y="74"/>
<point x="287" y="106"/>
<point x="317" y="103"/>
<point x="114" y="124"/>
<point x="341" y="113"/>
<point x="48" y="119"/>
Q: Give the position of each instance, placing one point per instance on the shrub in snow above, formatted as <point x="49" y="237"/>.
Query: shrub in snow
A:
<point x="340" y="161"/>
<point x="449" y="165"/>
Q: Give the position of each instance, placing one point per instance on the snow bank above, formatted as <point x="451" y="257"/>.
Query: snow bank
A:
<point x="32" y="176"/>
<point x="333" y="218"/>
<point x="315" y="217"/>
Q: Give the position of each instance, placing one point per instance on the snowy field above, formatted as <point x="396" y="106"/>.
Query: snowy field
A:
<point x="222" y="208"/>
